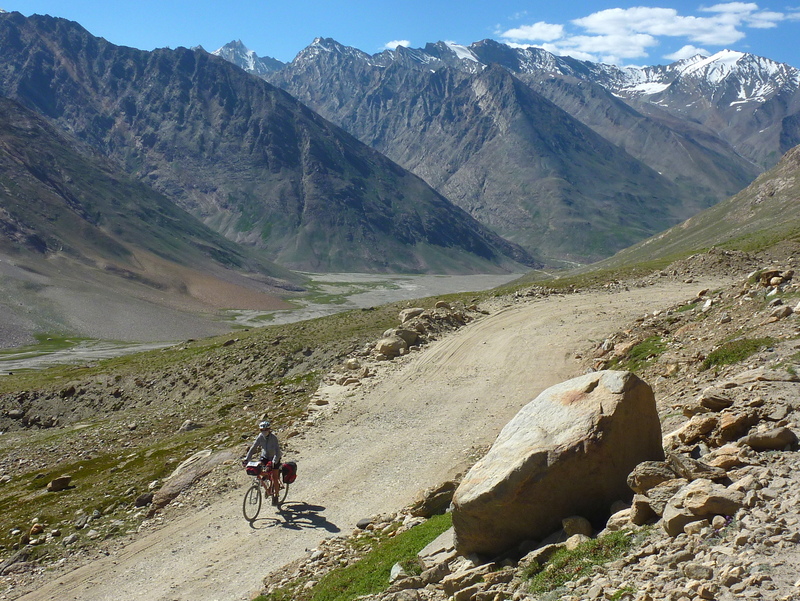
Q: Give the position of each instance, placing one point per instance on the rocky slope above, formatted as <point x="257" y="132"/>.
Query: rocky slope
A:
<point x="244" y="157"/>
<point x="706" y="413"/>
<point x="688" y="330"/>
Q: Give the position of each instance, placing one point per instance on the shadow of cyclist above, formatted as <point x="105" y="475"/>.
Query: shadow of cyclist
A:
<point x="298" y="515"/>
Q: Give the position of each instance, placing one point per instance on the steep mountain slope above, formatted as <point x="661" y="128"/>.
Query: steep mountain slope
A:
<point x="709" y="125"/>
<point x="77" y="235"/>
<point x="245" y="157"/>
<point x="504" y="153"/>
<point x="687" y="153"/>
<point x="762" y="214"/>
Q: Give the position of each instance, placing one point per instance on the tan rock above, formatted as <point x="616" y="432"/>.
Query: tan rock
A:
<point x="641" y="510"/>
<point x="699" y="500"/>
<point x="659" y="496"/>
<point x="619" y="520"/>
<point x="772" y="440"/>
<point x="692" y="469"/>
<point x="59" y="484"/>
<point x="393" y="346"/>
<point x="733" y="426"/>
<point x="728" y="457"/>
<point x="576" y="524"/>
<point x="568" y="452"/>
<point x="409" y="313"/>
<point x="697" y="427"/>
<point x="648" y="474"/>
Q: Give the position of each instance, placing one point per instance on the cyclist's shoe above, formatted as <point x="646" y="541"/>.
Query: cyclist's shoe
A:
<point x="274" y="500"/>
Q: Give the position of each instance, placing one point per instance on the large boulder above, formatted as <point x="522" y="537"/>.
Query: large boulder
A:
<point x="568" y="452"/>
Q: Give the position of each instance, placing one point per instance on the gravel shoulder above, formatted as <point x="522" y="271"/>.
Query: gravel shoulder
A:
<point x="418" y="421"/>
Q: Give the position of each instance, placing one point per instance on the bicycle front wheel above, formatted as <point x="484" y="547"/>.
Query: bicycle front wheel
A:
<point x="252" y="502"/>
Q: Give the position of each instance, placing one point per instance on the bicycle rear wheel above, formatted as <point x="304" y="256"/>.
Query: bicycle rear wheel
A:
<point x="252" y="502"/>
<point x="283" y="493"/>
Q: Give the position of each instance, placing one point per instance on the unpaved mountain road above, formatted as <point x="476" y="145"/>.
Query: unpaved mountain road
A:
<point x="414" y="425"/>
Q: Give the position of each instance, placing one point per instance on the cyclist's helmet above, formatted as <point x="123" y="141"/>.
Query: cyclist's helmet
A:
<point x="263" y="425"/>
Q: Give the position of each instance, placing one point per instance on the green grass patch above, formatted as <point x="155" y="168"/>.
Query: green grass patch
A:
<point x="565" y="566"/>
<point x="370" y="574"/>
<point x="736" y="351"/>
<point x="687" y="307"/>
<point x="641" y="355"/>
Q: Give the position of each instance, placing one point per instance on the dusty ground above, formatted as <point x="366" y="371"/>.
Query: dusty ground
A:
<point x="417" y="422"/>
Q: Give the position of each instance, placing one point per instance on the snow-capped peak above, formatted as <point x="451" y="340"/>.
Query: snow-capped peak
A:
<point x="240" y="55"/>
<point x="714" y="68"/>
<point x="462" y="52"/>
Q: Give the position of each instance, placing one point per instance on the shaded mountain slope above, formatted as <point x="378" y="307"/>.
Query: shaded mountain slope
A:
<point x="245" y="157"/>
<point x="687" y="153"/>
<point x="83" y="243"/>
<point x="511" y="158"/>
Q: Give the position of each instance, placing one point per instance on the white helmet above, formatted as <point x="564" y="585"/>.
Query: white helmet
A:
<point x="263" y="425"/>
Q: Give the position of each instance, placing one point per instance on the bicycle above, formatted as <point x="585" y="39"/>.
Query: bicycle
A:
<point x="262" y="478"/>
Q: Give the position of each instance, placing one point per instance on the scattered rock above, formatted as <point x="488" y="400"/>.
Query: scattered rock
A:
<point x="59" y="484"/>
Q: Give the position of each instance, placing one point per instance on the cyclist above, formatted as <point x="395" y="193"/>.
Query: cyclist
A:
<point x="270" y="455"/>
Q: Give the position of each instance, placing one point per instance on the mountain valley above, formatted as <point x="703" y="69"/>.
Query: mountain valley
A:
<point x="143" y="194"/>
<point x="707" y="126"/>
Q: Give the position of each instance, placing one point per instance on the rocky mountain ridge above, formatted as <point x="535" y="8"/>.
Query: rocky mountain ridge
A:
<point x="245" y="158"/>
<point x="725" y="80"/>
<point x="700" y="123"/>
<point x="496" y="147"/>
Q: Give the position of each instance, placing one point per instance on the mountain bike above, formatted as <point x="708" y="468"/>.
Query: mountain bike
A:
<point x="262" y="478"/>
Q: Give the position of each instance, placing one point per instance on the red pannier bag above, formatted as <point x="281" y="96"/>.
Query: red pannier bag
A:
<point x="253" y="468"/>
<point x="289" y="472"/>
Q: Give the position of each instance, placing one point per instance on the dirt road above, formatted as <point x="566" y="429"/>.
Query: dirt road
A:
<point x="417" y="423"/>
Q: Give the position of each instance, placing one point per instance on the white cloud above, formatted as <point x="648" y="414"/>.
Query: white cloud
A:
<point x="619" y="34"/>
<point x="395" y="43"/>
<point x="538" y="32"/>
<point x="766" y="19"/>
<point x="732" y="7"/>
<point x="687" y="51"/>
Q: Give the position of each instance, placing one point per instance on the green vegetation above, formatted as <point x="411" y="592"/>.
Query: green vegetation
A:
<point x="565" y="565"/>
<point x="762" y="239"/>
<point x="624" y="591"/>
<point x="643" y="354"/>
<point x="736" y="351"/>
<point x="585" y="277"/>
<point x="370" y="574"/>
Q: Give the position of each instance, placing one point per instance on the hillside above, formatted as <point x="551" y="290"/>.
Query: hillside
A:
<point x="760" y="215"/>
<point x="501" y="150"/>
<point x="245" y="158"/>
<point x="87" y="250"/>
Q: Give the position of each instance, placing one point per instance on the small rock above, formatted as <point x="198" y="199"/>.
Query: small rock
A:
<point x="189" y="425"/>
<point x="59" y="484"/>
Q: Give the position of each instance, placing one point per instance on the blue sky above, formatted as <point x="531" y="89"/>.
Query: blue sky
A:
<point x="623" y="33"/>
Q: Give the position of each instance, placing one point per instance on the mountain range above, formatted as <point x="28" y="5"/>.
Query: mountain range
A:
<point x="706" y="126"/>
<point x="244" y="157"/>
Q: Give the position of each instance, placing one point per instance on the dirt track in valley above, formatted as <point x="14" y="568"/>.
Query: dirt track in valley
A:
<point x="418" y="422"/>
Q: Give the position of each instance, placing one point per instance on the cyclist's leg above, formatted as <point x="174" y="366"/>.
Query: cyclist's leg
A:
<point x="276" y="484"/>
